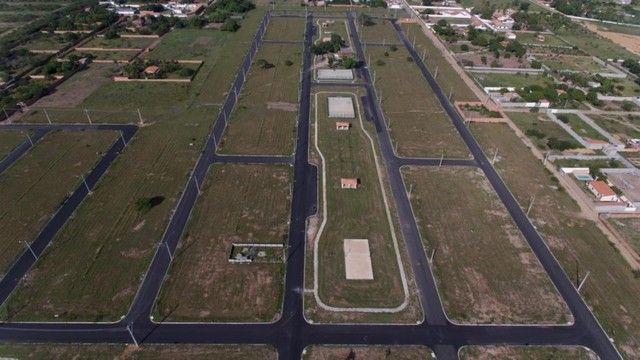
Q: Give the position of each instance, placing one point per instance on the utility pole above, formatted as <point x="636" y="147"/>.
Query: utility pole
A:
<point x="433" y="253"/>
<point x="495" y="155"/>
<point x="47" y="115"/>
<point x="450" y="93"/>
<point x="414" y="41"/>
<point x="197" y="185"/>
<point x="395" y="148"/>
<point x="130" y="330"/>
<point x="88" y="117"/>
<point x="388" y="122"/>
<point x="441" y="158"/>
<point x="374" y="77"/>
<point x="410" y="189"/>
<point x="583" y="280"/>
<point x="30" y="141"/>
<point x="424" y="54"/>
<point x="124" y="143"/>
<point x="531" y="200"/>
<point x="84" y="181"/>
<point x="25" y="243"/>
<point x="140" y="117"/>
<point x="235" y="92"/>
<point x="436" y="75"/>
<point x="166" y="245"/>
<point x="380" y="98"/>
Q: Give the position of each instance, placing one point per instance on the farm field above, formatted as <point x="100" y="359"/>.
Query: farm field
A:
<point x="525" y="352"/>
<point x="448" y="78"/>
<point x="130" y="352"/>
<point x="581" y="128"/>
<point x="539" y="128"/>
<point x="263" y="121"/>
<point x="353" y="214"/>
<point x="155" y="164"/>
<point x="327" y="352"/>
<point x="511" y="80"/>
<point x="469" y="253"/>
<point x="36" y="185"/>
<point x="240" y="204"/>
<point x="612" y="291"/>
<point x="629" y="229"/>
<point x="9" y="140"/>
<point x="418" y="122"/>
<point x="287" y="29"/>
<point x="381" y="32"/>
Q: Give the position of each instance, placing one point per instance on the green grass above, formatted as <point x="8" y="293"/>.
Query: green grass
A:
<point x="615" y="125"/>
<point x="190" y="44"/>
<point x="582" y="128"/>
<point x="9" y="140"/>
<point x="328" y="352"/>
<point x="107" y="55"/>
<point x="418" y="122"/>
<point x="574" y="63"/>
<point x="612" y="291"/>
<point x="549" y="40"/>
<point x="629" y="229"/>
<point x="45" y="42"/>
<point x="594" y="44"/>
<point x="259" y="124"/>
<point x="546" y="128"/>
<point x="39" y="182"/>
<point x="525" y="352"/>
<point x="123" y="43"/>
<point x="512" y="80"/>
<point x="629" y="30"/>
<point x="289" y="29"/>
<point x="448" y="78"/>
<point x="381" y="32"/>
<point x="125" y="352"/>
<point x="108" y="234"/>
<point x="241" y="204"/>
<point x="469" y="252"/>
<point x="338" y="27"/>
<point x="353" y="214"/>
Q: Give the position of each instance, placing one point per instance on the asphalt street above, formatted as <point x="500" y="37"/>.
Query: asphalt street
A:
<point x="17" y="153"/>
<point x="290" y="334"/>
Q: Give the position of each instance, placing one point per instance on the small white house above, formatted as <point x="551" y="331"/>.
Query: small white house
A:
<point x="602" y="191"/>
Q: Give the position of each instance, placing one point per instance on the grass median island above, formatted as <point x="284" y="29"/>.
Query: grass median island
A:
<point x="108" y="234"/>
<point x="328" y="352"/>
<point x="37" y="184"/>
<point x="525" y="353"/>
<point x="285" y="29"/>
<point x="448" y="77"/>
<point x="263" y="121"/>
<point x="540" y="129"/>
<point x="124" y="352"/>
<point x="9" y="140"/>
<point x="418" y="123"/>
<point x="353" y="214"/>
<point x="469" y="252"/>
<point x="612" y="291"/>
<point x="240" y="204"/>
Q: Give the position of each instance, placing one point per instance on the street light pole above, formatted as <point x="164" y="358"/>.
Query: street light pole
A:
<point x="531" y="200"/>
<point x="124" y="143"/>
<point x="495" y="155"/>
<point x="47" y="115"/>
<point x="166" y="245"/>
<point x="130" y="330"/>
<point x="6" y="115"/>
<point x="197" y="185"/>
<point x="583" y="280"/>
<point x="441" y="158"/>
<point x="30" y="141"/>
<point x="25" y="243"/>
<point x="88" y="117"/>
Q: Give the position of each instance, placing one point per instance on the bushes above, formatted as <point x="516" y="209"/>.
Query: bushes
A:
<point x="560" y="145"/>
<point x="230" y="25"/>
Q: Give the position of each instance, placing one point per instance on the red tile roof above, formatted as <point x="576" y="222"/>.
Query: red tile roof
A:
<point x="601" y="187"/>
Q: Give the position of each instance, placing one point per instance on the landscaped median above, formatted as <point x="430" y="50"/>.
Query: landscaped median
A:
<point x="357" y="248"/>
<point x="485" y="271"/>
<point x="228" y="265"/>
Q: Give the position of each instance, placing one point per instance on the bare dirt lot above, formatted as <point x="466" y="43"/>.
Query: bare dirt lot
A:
<point x="629" y="42"/>
<point x="79" y="87"/>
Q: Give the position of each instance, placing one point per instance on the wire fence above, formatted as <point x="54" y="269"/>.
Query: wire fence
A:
<point x="52" y="115"/>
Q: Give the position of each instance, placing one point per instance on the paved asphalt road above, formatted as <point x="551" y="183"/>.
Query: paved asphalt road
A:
<point x="21" y="149"/>
<point x="291" y="333"/>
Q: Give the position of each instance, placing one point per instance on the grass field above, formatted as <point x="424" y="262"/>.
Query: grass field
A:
<point x="381" y="32"/>
<point x="539" y="128"/>
<point x="353" y="214"/>
<point x="108" y="233"/>
<point x="549" y="39"/>
<point x="129" y="352"/>
<point x="240" y="204"/>
<point x="418" y="122"/>
<point x="122" y="43"/>
<point x="448" y="78"/>
<point x="573" y="63"/>
<point x="107" y="54"/>
<point x="45" y="42"/>
<point x="469" y="252"/>
<point x="629" y="229"/>
<point x="333" y="26"/>
<point x="615" y="125"/>
<point x="594" y="44"/>
<point x="37" y="184"/>
<point x="263" y="121"/>
<point x="582" y="128"/>
<point x="288" y="29"/>
<point x="9" y="140"/>
<point x="611" y="291"/>
<point x="327" y="352"/>
<point x="189" y="44"/>
<point x="525" y="353"/>
<point x="511" y="80"/>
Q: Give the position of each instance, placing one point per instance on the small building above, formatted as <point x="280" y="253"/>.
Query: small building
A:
<point x="602" y="191"/>
<point x="151" y="69"/>
<point x="349" y="183"/>
<point x="340" y="125"/>
<point x="510" y="36"/>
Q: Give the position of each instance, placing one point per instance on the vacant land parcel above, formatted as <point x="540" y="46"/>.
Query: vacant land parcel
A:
<point x="320" y="352"/>
<point x="417" y="121"/>
<point x="35" y="186"/>
<point x="285" y="29"/>
<point x="612" y="291"/>
<point x="525" y="352"/>
<point x="263" y="121"/>
<point x="240" y="204"/>
<point x="382" y="32"/>
<point x="542" y="130"/>
<point x="470" y="252"/>
<point x="9" y="140"/>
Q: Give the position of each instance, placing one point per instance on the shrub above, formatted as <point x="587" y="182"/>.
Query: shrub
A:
<point x="288" y="62"/>
<point x="144" y="204"/>
<point x="379" y="62"/>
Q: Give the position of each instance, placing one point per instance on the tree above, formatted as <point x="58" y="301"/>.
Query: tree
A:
<point x="365" y="20"/>
<point x="349" y="63"/>
<point x="111" y="34"/>
<point x="483" y="59"/>
<point x="230" y="25"/>
<point x="264" y="64"/>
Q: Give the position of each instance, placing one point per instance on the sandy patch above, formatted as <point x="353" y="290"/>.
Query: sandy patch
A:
<point x="282" y="106"/>
<point x="357" y="259"/>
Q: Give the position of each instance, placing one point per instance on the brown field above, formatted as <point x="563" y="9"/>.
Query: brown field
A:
<point x="612" y="291"/>
<point x="525" y="353"/>
<point x="253" y="128"/>
<point x="129" y="352"/>
<point x="239" y="204"/>
<point x="469" y="252"/>
<point x="37" y="184"/>
<point x="418" y="122"/>
<point x="327" y="352"/>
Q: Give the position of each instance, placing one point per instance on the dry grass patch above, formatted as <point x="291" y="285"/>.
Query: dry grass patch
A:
<point x="525" y="353"/>
<point x="327" y="352"/>
<point x="285" y="29"/>
<point x="35" y="186"/>
<point x="9" y="140"/>
<point x="240" y="204"/>
<point x="381" y="32"/>
<point x="254" y="128"/>
<point x="612" y="291"/>
<point x="418" y="122"/>
<point x="470" y="251"/>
